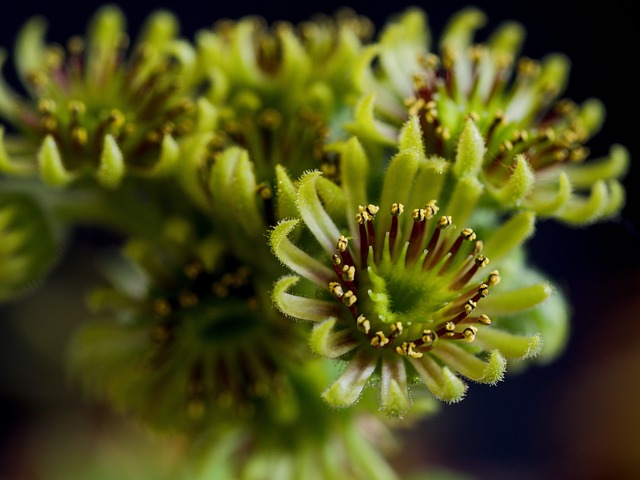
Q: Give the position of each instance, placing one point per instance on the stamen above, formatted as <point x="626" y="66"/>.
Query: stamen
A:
<point x="396" y="211"/>
<point x="363" y="324"/>
<point x="379" y="340"/>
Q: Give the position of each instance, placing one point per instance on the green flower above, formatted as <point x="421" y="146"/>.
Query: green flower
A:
<point x="314" y="442"/>
<point x="404" y="297"/>
<point x="191" y="340"/>
<point x="93" y="108"/>
<point x="536" y="153"/>
<point x="279" y="90"/>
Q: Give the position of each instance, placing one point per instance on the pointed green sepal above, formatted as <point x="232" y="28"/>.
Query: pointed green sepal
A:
<point x="470" y="152"/>
<point x="511" y="235"/>
<point x="169" y="158"/>
<point x="547" y="204"/>
<point x="581" y="211"/>
<point x="489" y="370"/>
<point x="517" y="300"/>
<point x="518" y="186"/>
<point x="367" y="127"/>
<point x="286" y="195"/>
<point x="300" y="307"/>
<point x="464" y="200"/>
<point x="314" y="214"/>
<point x="614" y="166"/>
<point x="112" y="167"/>
<point x="52" y="169"/>
<point x="411" y="136"/>
<point x="348" y="387"/>
<point x="394" y="394"/>
<point x="439" y="380"/>
<point x="295" y="258"/>
<point x="510" y="345"/>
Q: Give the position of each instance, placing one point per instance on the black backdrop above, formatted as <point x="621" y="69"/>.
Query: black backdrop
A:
<point x="571" y="419"/>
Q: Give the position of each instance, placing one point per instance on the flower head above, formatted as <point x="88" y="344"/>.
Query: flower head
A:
<point x="536" y="153"/>
<point x="92" y="107"/>
<point x="403" y="295"/>
<point x="191" y="339"/>
<point x="278" y="90"/>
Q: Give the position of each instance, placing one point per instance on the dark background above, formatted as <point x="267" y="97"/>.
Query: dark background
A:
<point x="577" y="418"/>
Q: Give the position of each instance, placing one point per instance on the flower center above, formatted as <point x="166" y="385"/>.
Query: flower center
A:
<point x="417" y="286"/>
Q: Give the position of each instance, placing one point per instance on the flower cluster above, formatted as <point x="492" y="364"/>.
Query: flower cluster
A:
<point x="404" y="295"/>
<point x="380" y="192"/>
<point x="535" y="154"/>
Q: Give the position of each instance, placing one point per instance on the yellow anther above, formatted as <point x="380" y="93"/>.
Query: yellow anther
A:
<point x="408" y="348"/>
<point x="470" y="306"/>
<point x="161" y="307"/>
<point x="482" y="261"/>
<point x="349" y="298"/>
<point x="484" y="319"/>
<point x="470" y="333"/>
<point x="372" y="209"/>
<point x="468" y="234"/>
<point x="444" y="222"/>
<point x="46" y="106"/>
<point x="397" y="209"/>
<point x="483" y="290"/>
<point x="450" y="327"/>
<point x="77" y="108"/>
<point x="342" y="244"/>
<point x="348" y="273"/>
<point x="379" y="339"/>
<point x="419" y="215"/>
<point x="50" y="124"/>
<point x="431" y="208"/>
<point x="336" y="289"/>
<point x="264" y="191"/>
<point x="79" y="135"/>
<point x="335" y="258"/>
<point x="396" y="328"/>
<point x="363" y="324"/>
<point x="428" y="337"/>
<point x="494" y="278"/>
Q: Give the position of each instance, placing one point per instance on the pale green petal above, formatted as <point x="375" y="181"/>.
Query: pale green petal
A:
<point x="440" y="380"/>
<point x="611" y="167"/>
<point x="509" y="236"/>
<point x="347" y="388"/>
<point x="112" y="167"/>
<point x="511" y="301"/>
<point x="580" y="211"/>
<point x="489" y="371"/>
<point x="509" y="345"/>
<point x="286" y="194"/>
<point x="50" y="163"/>
<point x="518" y="186"/>
<point x="470" y="151"/>
<point x="314" y="215"/>
<point x="301" y="307"/>
<point x="296" y="259"/>
<point x="394" y="395"/>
